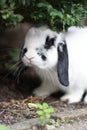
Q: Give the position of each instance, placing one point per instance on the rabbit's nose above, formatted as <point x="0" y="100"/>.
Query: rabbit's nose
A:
<point x="29" y="59"/>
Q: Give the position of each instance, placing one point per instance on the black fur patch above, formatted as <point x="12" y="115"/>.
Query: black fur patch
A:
<point x="62" y="66"/>
<point x="22" y="53"/>
<point x="49" y="42"/>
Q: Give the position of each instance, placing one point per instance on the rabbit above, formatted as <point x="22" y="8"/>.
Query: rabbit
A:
<point x="59" y="59"/>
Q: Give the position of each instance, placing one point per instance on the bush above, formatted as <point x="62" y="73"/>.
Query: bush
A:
<point x="57" y="14"/>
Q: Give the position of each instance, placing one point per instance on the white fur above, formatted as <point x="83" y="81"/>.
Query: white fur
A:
<point x="76" y="39"/>
<point x="85" y="99"/>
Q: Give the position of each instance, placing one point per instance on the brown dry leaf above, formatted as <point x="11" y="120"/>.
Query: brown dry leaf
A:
<point x="34" y="128"/>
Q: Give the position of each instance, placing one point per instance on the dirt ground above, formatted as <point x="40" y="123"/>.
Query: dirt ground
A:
<point x="15" y="97"/>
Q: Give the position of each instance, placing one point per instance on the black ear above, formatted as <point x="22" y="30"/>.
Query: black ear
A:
<point x="62" y="66"/>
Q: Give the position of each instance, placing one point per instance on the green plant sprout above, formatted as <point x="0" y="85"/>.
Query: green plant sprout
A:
<point x="3" y="127"/>
<point x="43" y="111"/>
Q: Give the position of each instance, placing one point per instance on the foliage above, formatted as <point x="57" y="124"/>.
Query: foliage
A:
<point x="14" y="54"/>
<point x="60" y="15"/>
<point x="43" y="111"/>
<point x="57" y="14"/>
<point x="3" y="127"/>
<point x="54" y="124"/>
<point x="7" y="13"/>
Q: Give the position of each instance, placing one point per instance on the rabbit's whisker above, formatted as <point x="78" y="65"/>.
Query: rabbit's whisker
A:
<point x="10" y="71"/>
<point x="18" y="72"/>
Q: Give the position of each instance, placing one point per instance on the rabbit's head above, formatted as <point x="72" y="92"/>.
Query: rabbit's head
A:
<point x="43" y="50"/>
<point x="40" y="48"/>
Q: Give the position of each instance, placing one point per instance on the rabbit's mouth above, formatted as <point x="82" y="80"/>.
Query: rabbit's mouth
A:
<point x="27" y="61"/>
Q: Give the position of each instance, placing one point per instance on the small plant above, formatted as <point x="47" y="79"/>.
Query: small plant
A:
<point x="43" y="111"/>
<point x="8" y="14"/>
<point x="3" y="127"/>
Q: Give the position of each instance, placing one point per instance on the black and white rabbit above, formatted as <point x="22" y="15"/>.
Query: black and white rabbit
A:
<point x="59" y="59"/>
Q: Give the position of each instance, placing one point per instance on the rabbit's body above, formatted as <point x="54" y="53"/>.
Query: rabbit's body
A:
<point x="60" y="60"/>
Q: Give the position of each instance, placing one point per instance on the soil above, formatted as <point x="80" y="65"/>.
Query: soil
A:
<point x="14" y="99"/>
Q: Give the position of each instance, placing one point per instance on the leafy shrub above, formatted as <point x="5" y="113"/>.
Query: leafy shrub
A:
<point x="60" y="15"/>
<point x="7" y="13"/>
<point x="43" y="111"/>
<point x="57" y="14"/>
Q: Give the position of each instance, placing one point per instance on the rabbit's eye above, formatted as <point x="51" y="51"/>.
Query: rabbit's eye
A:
<point x="24" y="51"/>
<point x="43" y="57"/>
<point x="49" y="42"/>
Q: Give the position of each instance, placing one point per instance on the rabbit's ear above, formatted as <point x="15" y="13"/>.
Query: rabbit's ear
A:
<point x="62" y="66"/>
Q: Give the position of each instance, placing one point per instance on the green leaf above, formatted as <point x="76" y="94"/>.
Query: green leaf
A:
<point x="51" y="110"/>
<point x="12" y="6"/>
<point x="41" y="4"/>
<point x="39" y="112"/>
<point x="48" y="111"/>
<point x="42" y="118"/>
<point x="32" y="105"/>
<point x="14" y="54"/>
<point x="39" y="106"/>
<point x="3" y="127"/>
<point x="48" y="116"/>
<point x="4" y="16"/>
<point x="52" y="13"/>
<point x="23" y="2"/>
<point x="19" y="17"/>
<point x="45" y="105"/>
<point x="2" y="3"/>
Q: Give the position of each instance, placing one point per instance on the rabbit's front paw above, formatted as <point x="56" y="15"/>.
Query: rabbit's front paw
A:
<point x="70" y="99"/>
<point x="41" y="92"/>
<point x="85" y="99"/>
